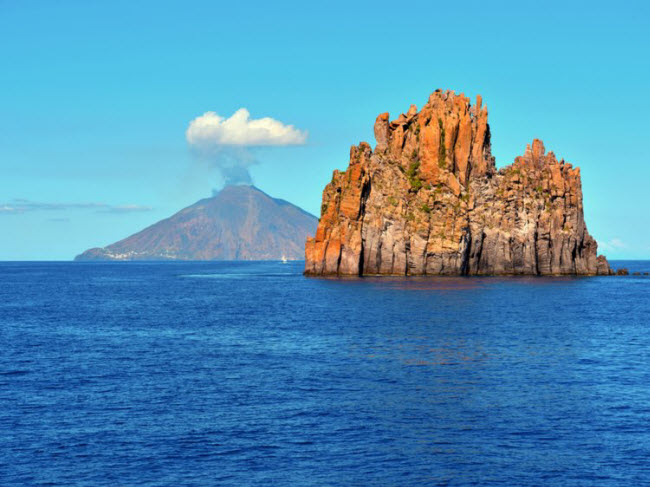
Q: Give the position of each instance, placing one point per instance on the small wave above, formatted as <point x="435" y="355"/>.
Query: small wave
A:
<point x="242" y="275"/>
<point x="15" y="372"/>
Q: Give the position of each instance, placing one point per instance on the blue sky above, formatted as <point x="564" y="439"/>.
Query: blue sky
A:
<point x="95" y="98"/>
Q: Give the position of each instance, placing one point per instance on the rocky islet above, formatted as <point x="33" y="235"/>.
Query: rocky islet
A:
<point x="429" y="200"/>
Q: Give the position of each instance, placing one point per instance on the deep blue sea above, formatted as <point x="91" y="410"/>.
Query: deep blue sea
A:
<point x="245" y="373"/>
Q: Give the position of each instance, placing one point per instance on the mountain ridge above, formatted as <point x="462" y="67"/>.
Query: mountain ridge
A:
<point x="238" y="223"/>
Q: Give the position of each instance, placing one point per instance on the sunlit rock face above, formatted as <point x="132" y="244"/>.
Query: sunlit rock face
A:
<point x="429" y="201"/>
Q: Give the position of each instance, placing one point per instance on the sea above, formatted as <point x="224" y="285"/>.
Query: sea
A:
<point x="249" y="373"/>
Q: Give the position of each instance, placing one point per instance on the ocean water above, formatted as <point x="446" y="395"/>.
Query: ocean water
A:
<point x="179" y="374"/>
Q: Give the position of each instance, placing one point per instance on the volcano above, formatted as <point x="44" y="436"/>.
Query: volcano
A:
<point x="238" y="223"/>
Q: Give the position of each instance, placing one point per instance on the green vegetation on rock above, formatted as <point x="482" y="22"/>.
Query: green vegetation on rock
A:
<point x="442" y="150"/>
<point x="413" y="175"/>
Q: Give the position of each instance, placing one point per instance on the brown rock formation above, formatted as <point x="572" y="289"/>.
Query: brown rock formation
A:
<point x="430" y="201"/>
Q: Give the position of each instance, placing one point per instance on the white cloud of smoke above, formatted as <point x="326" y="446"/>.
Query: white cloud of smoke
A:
<point x="227" y="144"/>
<point x="210" y="130"/>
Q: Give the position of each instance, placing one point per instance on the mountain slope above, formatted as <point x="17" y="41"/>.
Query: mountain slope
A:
<point x="239" y="223"/>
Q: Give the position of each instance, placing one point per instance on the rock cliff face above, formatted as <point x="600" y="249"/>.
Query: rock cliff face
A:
<point x="430" y="201"/>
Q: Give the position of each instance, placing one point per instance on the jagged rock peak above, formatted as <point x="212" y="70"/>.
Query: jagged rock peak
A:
<point x="429" y="200"/>
<point x="449" y="137"/>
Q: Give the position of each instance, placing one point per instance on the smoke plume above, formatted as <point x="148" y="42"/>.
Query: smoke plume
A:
<point x="228" y="144"/>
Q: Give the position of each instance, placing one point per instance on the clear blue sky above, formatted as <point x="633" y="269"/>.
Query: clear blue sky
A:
<point x="95" y="98"/>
